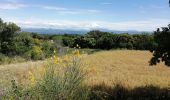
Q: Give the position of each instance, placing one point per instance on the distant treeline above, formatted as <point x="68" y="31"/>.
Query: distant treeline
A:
<point x="105" y="40"/>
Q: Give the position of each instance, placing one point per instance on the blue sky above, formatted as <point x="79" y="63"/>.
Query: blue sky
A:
<point x="142" y="15"/>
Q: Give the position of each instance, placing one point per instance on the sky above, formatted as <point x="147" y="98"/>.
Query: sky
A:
<point x="141" y="15"/>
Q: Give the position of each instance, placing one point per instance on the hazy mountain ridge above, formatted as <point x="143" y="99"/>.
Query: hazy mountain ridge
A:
<point x="73" y="31"/>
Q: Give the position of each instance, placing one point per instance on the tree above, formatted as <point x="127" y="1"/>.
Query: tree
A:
<point x="7" y="33"/>
<point x="162" y="50"/>
<point x="22" y="43"/>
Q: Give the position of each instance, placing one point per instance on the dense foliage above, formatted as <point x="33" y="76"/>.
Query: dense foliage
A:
<point x="105" y="40"/>
<point x="162" y="50"/>
<point x="13" y="43"/>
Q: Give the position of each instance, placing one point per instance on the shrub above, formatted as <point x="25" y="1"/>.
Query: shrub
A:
<point x="37" y="53"/>
<point x="23" y="43"/>
<point x="84" y="42"/>
<point x="68" y="42"/>
<point x="47" y="48"/>
<point x="61" y="79"/>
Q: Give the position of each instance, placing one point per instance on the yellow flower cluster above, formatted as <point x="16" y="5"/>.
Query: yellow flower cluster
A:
<point x="77" y="52"/>
<point x="31" y="77"/>
<point x="63" y="61"/>
<point x="57" y="59"/>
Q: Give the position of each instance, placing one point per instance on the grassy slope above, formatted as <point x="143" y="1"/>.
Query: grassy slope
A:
<point x="127" y="67"/>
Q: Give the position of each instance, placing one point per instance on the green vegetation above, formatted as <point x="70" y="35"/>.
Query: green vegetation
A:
<point x="105" y="40"/>
<point x="29" y="46"/>
<point x="162" y="50"/>
<point x="64" y="76"/>
<point x="109" y="75"/>
<point x="61" y="79"/>
<point x="34" y="46"/>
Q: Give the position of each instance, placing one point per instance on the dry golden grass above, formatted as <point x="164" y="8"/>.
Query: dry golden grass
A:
<point x="127" y="67"/>
<point x="17" y="72"/>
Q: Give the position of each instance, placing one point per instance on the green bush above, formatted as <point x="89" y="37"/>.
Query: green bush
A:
<point x="37" y="53"/>
<point x="48" y="48"/>
<point x="23" y="43"/>
<point x="68" y="42"/>
<point x="84" y="42"/>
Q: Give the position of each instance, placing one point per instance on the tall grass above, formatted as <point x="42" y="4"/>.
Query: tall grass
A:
<point x="8" y="60"/>
<point x="61" y="79"/>
<point x="112" y="75"/>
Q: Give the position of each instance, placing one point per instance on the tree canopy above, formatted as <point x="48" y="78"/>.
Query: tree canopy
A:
<point x="162" y="50"/>
<point x="7" y="33"/>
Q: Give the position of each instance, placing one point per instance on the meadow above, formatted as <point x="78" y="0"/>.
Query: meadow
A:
<point x="106" y="69"/>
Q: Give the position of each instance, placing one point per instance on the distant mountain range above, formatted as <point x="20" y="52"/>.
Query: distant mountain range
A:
<point x="72" y="31"/>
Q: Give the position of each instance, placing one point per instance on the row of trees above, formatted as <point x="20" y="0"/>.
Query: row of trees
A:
<point x="105" y="40"/>
<point x="13" y="42"/>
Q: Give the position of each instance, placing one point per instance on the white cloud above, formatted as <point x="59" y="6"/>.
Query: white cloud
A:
<point x="54" y="8"/>
<point x="62" y="10"/>
<point x="11" y="6"/>
<point x="106" y="3"/>
<point x="59" y="10"/>
<point x="147" y="25"/>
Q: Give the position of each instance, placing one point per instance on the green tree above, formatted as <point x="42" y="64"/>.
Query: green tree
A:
<point x="84" y="42"/>
<point x="7" y="34"/>
<point x="143" y="41"/>
<point x="22" y="43"/>
<point x="162" y="50"/>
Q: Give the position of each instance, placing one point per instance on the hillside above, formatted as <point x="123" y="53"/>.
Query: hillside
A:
<point x="117" y="66"/>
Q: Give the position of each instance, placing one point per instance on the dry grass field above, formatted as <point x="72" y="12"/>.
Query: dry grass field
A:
<point x="129" y="68"/>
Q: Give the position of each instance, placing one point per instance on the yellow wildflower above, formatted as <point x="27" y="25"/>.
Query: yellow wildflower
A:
<point x="56" y="59"/>
<point x="77" y="53"/>
<point x="31" y="77"/>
